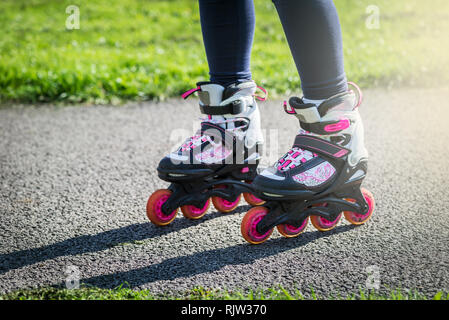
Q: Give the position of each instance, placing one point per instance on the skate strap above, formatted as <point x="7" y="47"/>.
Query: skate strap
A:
<point x="320" y="146"/>
<point x="235" y="107"/>
<point x="217" y="133"/>
<point x="188" y="93"/>
<point x="326" y="127"/>
<point x="264" y="97"/>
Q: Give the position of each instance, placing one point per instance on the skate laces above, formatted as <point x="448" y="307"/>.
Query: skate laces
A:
<point x="294" y="158"/>
<point x="197" y="139"/>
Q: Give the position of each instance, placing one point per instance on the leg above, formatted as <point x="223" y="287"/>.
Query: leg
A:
<point x="313" y="33"/>
<point x="320" y="176"/>
<point x="228" y="31"/>
<point x="211" y="165"/>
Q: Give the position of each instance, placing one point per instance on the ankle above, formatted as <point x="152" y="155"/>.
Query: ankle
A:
<point x="313" y="101"/>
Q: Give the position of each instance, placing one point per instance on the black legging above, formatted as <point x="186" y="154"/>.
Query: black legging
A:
<point x="313" y="33"/>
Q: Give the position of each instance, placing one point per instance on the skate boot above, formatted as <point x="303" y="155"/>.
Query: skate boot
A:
<point x="219" y="162"/>
<point x="319" y="177"/>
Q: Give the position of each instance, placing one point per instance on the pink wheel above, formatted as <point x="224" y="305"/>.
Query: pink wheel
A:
<point x="252" y="199"/>
<point x="249" y="223"/>
<point x="154" y="208"/>
<point x="323" y="224"/>
<point x="290" y="231"/>
<point x="224" y="205"/>
<point x="192" y="212"/>
<point x="357" y="218"/>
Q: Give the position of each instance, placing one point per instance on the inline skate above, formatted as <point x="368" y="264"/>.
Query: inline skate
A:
<point x="219" y="162"/>
<point x="320" y="177"/>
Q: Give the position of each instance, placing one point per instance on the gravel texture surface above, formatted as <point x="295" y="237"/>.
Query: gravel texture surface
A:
<point x="75" y="181"/>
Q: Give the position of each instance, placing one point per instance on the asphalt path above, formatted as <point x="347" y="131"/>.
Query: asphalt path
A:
<point x="75" y="181"/>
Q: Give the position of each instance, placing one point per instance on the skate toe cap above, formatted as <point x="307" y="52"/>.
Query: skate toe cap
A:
<point x="166" y="163"/>
<point x="273" y="181"/>
<point x="268" y="179"/>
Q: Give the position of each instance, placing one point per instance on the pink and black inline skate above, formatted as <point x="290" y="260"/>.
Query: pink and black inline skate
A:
<point x="319" y="178"/>
<point x="219" y="162"/>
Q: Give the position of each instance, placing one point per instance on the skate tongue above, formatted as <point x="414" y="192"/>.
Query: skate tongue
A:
<point x="211" y="94"/>
<point x="345" y="101"/>
<point x="239" y="90"/>
<point x="305" y="112"/>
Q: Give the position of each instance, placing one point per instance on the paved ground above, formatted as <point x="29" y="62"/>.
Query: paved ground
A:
<point x="75" y="180"/>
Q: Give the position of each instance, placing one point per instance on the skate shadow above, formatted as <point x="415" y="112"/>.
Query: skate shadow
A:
<point x="206" y="261"/>
<point x="102" y="241"/>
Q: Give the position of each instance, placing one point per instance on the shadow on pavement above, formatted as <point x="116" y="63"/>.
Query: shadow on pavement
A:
<point x="206" y="261"/>
<point x="98" y="242"/>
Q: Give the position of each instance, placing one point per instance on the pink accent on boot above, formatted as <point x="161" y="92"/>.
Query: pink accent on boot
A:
<point x="186" y="94"/>
<point x="316" y="175"/>
<point x="264" y="91"/>
<point x="291" y="111"/>
<point x="339" y="126"/>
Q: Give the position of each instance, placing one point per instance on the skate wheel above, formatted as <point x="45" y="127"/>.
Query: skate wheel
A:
<point x="322" y="224"/>
<point x="249" y="223"/>
<point x="192" y="212"/>
<point x="154" y="208"/>
<point x="224" y="205"/>
<point x="252" y="199"/>
<point x="290" y="231"/>
<point x="357" y="218"/>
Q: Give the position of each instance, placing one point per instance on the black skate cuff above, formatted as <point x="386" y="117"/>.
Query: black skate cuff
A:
<point x="234" y="107"/>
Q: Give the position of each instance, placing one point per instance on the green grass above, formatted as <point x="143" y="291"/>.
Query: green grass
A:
<point x="275" y="293"/>
<point x="144" y="49"/>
